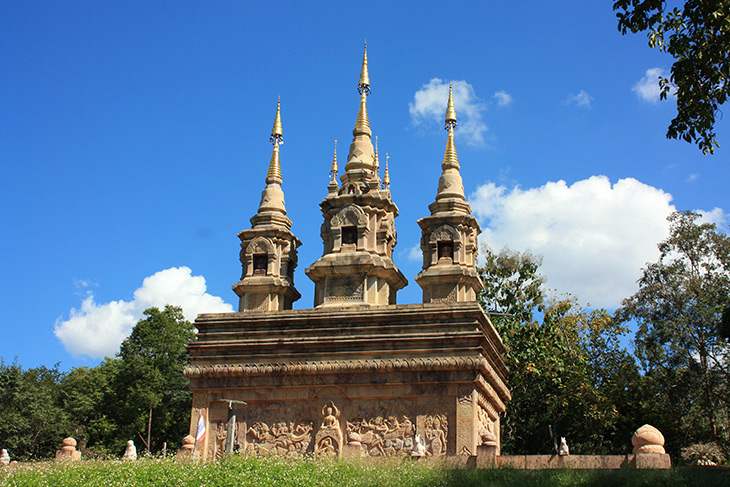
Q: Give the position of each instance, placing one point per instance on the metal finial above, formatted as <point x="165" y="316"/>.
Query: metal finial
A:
<point x="386" y="175"/>
<point x="364" y="85"/>
<point x="333" y="170"/>
<point x="276" y="132"/>
<point x="450" y="111"/>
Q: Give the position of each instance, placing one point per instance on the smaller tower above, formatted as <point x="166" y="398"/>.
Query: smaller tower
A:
<point x="449" y="235"/>
<point x="269" y="248"/>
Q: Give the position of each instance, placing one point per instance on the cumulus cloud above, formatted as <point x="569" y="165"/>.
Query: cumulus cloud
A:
<point x="503" y="98"/>
<point x="647" y="88"/>
<point x="97" y="329"/>
<point x="581" y="99"/>
<point x="716" y="216"/>
<point x="429" y="107"/>
<point x="594" y="237"/>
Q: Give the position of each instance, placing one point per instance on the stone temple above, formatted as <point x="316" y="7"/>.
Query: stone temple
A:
<point x="358" y="374"/>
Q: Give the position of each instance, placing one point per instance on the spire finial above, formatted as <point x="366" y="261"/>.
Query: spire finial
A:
<point x="274" y="173"/>
<point x="276" y="132"/>
<point x="362" y="124"/>
<point x="386" y="175"/>
<point x="364" y="85"/>
<point x="450" y="111"/>
<point x="333" y="170"/>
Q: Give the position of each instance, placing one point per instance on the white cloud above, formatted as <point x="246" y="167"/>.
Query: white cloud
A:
<point x="429" y="107"/>
<point x="414" y="254"/>
<point x="647" y="88"/>
<point x="716" y="216"/>
<point x="594" y="237"/>
<point x="581" y="99"/>
<point x="97" y="329"/>
<point x="692" y="177"/>
<point x="503" y="98"/>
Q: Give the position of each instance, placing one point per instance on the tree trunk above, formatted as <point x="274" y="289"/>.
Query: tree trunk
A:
<point x="149" y="431"/>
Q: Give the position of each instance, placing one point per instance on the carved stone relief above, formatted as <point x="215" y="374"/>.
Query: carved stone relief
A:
<point x="281" y="429"/>
<point x="344" y="288"/>
<point x="444" y="293"/>
<point x="328" y="441"/>
<point x="487" y="437"/>
<point x="382" y="428"/>
<point x="436" y="431"/>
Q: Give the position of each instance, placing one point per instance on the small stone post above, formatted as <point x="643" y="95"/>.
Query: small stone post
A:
<point x="68" y="450"/>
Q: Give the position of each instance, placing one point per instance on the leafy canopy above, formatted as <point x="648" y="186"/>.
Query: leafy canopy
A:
<point x="698" y="38"/>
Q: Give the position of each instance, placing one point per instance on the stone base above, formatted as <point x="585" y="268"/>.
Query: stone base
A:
<point x="68" y="455"/>
<point x="387" y="373"/>
<point x="577" y="462"/>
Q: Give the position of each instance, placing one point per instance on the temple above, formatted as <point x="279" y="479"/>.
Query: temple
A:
<point x="357" y="374"/>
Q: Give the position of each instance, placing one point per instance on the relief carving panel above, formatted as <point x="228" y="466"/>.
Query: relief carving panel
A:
<point x="281" y="429"/>
<point x="382" y="428"/>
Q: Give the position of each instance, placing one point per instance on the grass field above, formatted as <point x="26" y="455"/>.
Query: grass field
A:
<point x="247" y="471"/>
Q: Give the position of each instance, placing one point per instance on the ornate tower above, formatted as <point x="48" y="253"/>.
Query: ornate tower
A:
<point x="269" y="248"/>
<point x="358" y="230"/>
<point x="449" y="235"/>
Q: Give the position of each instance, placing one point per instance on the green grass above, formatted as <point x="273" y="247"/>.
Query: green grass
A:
<point x="248" y="471"/>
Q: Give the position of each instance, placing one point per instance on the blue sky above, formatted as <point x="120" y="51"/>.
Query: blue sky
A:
<point x="134" y="146"/>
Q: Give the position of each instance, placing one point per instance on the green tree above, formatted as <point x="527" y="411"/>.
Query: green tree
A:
<point x="88" y="399"/>
<point x="33" y="419"/>
<point x="697" y="37"/>
<point x="153" y="397"/>
<point x="567" y="370"/>
<point x="679" y="310"/>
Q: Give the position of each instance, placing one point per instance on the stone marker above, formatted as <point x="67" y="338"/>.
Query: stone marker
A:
<point x="4" y="457"/>
<point x="186" y="451"/>
<point x="648" y="439"/>
<point x="131" y="451"/>
<point x="68" y="450"/>
<point x="649" y="451"/>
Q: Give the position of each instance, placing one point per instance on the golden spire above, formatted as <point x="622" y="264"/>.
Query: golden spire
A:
<point x="362" y="125"/>
<point x="274" y="173"/>
<point x="386" y="175"/>
<point x="276" y="132"/>
<point x="450" y="158"/>
<point x="364" y="84"/>
<point x="334" y="169"/>
<point x="450" y="112"/>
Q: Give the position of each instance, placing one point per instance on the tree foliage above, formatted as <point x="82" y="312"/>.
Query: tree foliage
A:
<point x="679" y="307"/>
<point x="33" y="418"/>
<point x="102" y="407"/>
<point x="567" y="370"/>
<point x="149" y="379"/>
<point x="697" y="36"/>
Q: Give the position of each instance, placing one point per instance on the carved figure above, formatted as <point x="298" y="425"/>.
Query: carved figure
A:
<point x="436" y="430"/>
<point x="4" y="457"/>
<point x="220" y="441"/>
<point x="329" y="436"/>
<point x="564" y="450"/>
<point x="130" y="453"/>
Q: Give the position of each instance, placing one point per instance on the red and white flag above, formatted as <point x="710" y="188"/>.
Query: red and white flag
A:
<point x="200" y="435"/>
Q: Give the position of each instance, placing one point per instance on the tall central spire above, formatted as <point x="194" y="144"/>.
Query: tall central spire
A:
<point x="362" y="125"/>
<point x="360" y="165"/>
<point x="358" y="232"/>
